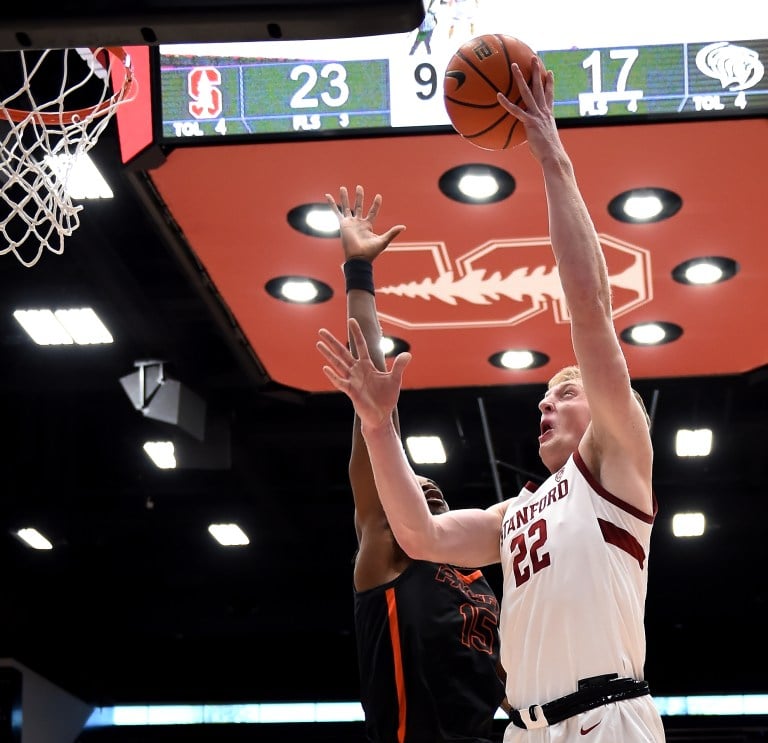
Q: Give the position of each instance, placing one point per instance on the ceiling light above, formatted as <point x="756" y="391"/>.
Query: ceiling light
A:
<point x="229" y="535"/>
<point x="518" y="359"/>
<point x="426" y="449"/>
<point x="703" y="271"/>
<point x="34" y="539"/>
<point x="693" y="443"/>
<point x="317" y="220"/>
<point x="322" y="219"/>
<point x="162" y="453"/>
<point x="688" y="524"/>
<point x="298" y="290"/>
<point x="84" y="326"/>
<point x="651" y="333"/>
<point x="43" y="327"/>
<point x="643" y="208"/>
<point x="81" y="176"/>
<point x="63" y="327"/>
<point x="645" y="205"/>
<point x="648" y="334"/>
<point x="477" y="184"/>
<point x="391" y="346"/>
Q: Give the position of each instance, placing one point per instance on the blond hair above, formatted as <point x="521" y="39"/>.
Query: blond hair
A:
<point x="567" y="373"/>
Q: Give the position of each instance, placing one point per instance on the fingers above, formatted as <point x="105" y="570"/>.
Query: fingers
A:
<point x="537" y="82"/>
<point x="340" y="384"/>
<point x="335" y="365"/>
<point x="549" y="90"/>
<point x="345" y="209"/>
<point x="508" y="106"/>
<point x="374" y="210"/>
<point x="344" y="198"/>
<point x="522" y="85"/>
<point x="398" y="366"/>
<point x="538" y="96"/>
<point x="358" y="339"/>
<point x="392" y="233"/>
<point x="335" y="347"/>
<point x="334" y="207"/>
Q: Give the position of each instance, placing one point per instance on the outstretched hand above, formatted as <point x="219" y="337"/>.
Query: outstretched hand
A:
<point x="357" y="236"/>
<point x="537" y="115"/>
<point x="373" y="393"/>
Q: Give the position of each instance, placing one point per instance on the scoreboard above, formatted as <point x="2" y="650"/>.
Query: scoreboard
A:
<point x="384" y="84"/>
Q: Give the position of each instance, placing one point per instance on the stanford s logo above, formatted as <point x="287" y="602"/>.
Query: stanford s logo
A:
<point x="204" y="92"/>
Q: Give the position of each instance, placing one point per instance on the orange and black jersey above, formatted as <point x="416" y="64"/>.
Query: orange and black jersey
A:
<point x="428" y="651"/>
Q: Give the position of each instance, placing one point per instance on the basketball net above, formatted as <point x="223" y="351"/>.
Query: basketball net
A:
<point x="44" y="130"/>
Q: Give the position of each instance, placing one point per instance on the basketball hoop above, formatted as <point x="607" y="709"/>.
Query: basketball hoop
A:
<point x="44" y="129"/>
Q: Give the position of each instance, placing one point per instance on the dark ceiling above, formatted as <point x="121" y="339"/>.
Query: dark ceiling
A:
<point x="136" y="602"/>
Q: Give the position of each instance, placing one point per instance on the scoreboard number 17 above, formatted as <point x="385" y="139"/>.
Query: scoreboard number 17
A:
<point x="596" y="102"/>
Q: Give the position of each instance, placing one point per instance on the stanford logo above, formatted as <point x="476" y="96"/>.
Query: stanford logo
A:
<point x="501" y="282"/>
<point x="203" y="88"/>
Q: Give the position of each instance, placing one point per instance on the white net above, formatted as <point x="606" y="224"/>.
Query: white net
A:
<point x="48" y="121"/>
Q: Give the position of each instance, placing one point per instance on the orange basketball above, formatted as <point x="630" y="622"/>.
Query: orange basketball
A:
<point x="477" y="71"/>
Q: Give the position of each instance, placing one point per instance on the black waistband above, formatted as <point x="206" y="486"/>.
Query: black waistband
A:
<point x="593" y="692"/>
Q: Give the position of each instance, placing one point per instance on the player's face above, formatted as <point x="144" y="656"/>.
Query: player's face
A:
<point x="564" y="419"/>
<point x="435" y="500"/>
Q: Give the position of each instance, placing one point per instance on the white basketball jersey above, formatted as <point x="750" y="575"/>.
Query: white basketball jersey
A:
<point x="575" y="560"/>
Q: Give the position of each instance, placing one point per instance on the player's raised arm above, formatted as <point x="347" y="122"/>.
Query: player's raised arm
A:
<point x="464" y="537"/>
<point x="618" y="428"/>
<point x="378" y="558"/>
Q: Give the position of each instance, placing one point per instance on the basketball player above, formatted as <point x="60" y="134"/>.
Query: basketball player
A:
<point x="463" y="16"/>
<point x="574" y="550"/>
<point x="427" y="632"/>
<point x="425" y="30"/>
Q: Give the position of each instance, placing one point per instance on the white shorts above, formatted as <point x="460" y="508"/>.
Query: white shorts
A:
<point x="628" y="721"/>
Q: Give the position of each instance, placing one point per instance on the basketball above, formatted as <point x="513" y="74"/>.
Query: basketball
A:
<point x="475" y="73"/>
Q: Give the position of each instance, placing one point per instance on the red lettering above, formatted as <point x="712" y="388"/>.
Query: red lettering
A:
<point x="537" y="533"/>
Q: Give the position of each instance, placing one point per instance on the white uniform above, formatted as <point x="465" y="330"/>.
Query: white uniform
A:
<point x="575" y="562"/>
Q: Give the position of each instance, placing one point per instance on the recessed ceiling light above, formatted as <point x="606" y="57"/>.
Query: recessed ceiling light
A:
<point x="519" y="359"/>
<point x="391" y="346"/>
<point x="642" y="205"/>
<point x="705" y="270"/>
<point x="651" y="333"/>
<point x="477" y="184"/>
<point x="317" y="220"/>
<point x="298" y="290"/>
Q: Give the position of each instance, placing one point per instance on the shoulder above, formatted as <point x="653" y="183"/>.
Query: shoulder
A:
<point x="379" y="560"/>
<point x="621" y="469"/>
<point x="497" y="510"/>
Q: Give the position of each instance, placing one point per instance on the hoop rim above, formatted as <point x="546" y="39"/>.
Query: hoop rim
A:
<point x="126" y="92"/>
